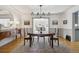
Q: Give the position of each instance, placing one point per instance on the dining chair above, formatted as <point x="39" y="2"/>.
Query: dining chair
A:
<point x="56" y="36"/>
<point x="18" y="32"/>
<point x="26" y="36"/>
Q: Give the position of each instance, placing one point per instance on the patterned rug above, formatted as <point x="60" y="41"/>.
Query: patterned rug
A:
<point x="41" y="46"/>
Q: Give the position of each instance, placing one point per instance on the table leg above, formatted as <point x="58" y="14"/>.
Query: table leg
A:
<point x="24" y="42"/>
<point x="30" y="42"/>
<point x="52" y="43"/>
<point x="58" y="42"/>
<point x="20" y="35"/>
<point x="16" y="36"/>
<point x="33" y="39"/>
<point x="38" y="38"/>
<point x="44" y="40"/>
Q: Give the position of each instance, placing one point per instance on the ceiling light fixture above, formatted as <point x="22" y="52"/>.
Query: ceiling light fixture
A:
<point x="40" y="10"/>
<point x="40" y="13"/>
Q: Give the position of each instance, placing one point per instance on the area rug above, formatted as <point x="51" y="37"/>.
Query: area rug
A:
<point x="41" y="46"/>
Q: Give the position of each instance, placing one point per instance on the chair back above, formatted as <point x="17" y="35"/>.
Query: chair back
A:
<point x="26" y="32"/>
<point x="57" y="31"/>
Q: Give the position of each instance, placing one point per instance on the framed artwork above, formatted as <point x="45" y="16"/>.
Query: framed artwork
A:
<point x="26" y="22"/>
<point x="64" y="21"/>
<point x="55" y="22"/>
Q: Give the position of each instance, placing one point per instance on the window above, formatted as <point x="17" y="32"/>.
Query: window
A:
<point x="4" y="22"/>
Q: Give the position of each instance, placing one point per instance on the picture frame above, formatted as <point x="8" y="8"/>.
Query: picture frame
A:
<point x="64" y="21"/>
<point x="55" y="22"/>
<point x="27" y="22"/>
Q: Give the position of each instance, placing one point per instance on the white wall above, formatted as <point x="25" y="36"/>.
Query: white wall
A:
<point x="24" y="18"/>
<point x="69" y="18"/>
<point x="51" y="18"/>
<point x="16" y="16"/>
<point x="55" y="17"/>
<point x="60" y="17"/>
<point x="67" y="15"/>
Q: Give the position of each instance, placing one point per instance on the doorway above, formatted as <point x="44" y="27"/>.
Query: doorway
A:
<point x="75" y="26"/>
<point x="40" y="25"/>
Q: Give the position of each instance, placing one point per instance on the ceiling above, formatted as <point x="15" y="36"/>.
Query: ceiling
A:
<point x="50" y="8"/>
<point x="36" y="8"/>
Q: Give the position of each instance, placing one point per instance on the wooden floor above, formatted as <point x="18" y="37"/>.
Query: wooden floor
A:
<point x="9" y="47"/>
<point x="74" y="46"/>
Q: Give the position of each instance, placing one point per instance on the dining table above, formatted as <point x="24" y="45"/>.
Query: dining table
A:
<point x="50" y="35"/>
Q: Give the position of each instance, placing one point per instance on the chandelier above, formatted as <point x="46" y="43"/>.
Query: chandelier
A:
<point x="40" y="10"/>
<point x="40" y="13"/>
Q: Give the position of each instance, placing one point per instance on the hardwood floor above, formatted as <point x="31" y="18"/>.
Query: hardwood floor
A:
<point x="74" y="46"/>
<point x="9" y="47"/>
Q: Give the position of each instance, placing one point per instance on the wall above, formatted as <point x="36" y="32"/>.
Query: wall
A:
<point x="51" y="18"/>
<point x="68" y="28"/>
<point x="25" y="18"/>
<point x="14" y="15"/>
<point x="67" y="15"/>
<point x="59" y="26"/>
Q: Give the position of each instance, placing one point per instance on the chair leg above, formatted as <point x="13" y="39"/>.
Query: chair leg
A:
<point x="33" y="39"/>
<point x="55" y="40"/>
<point x="50" y="42"/>
<point x="44" y="40"/>
<point x="58" y="42"/>
<point x="30" y="42"/>
<point x="16" y="36"/>
<point x="38" y="39"/>
<point x="48" y="39"/>
<point x="24" y="42"/>
<point x="20" y="36"/>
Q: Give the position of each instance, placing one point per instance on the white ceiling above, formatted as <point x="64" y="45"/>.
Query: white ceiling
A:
<point x="36" y="8"/>
<point x="50" y="8"/>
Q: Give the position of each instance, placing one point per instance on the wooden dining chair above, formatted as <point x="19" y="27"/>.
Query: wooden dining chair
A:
<point x="26" y="36"/>
<point x="56" y="36"/>
<point x="18" y="32"/>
